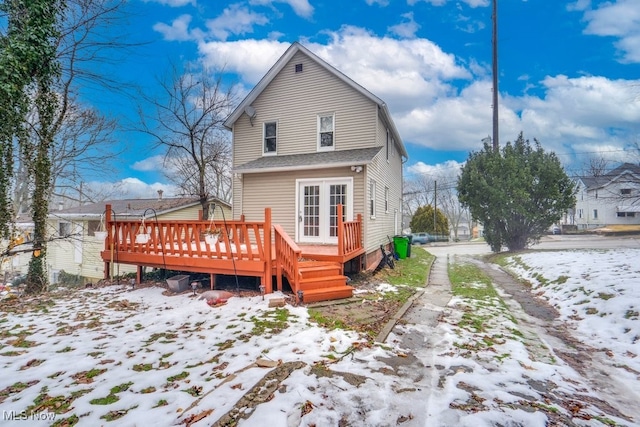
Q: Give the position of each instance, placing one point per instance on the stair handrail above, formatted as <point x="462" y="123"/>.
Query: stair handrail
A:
<point x="349" y="233"/>
<point x="287" y="255"/>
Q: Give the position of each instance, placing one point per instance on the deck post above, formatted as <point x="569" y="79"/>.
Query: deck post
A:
<point x="212" y="280"/>
<point x="340" y="231"/>
<point x="108" y="243"/>
<point x="139" y="274"/>
<point x="266" y="277"/>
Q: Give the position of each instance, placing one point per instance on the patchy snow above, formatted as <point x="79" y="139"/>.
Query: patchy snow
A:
<point x="168" y="352"/>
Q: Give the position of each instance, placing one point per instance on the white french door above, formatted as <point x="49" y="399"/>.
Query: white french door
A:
<point x="317" y="203"/>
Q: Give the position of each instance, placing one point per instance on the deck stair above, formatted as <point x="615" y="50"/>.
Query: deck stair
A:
<point x="322" y="281"/>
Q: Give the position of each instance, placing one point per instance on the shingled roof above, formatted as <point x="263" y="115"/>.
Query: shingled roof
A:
<point x="593" y="182"/>
<point x="132" y="207"/>
<point x="361" y="156"/>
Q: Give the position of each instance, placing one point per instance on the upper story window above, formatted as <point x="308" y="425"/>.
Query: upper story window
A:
<point x="270" y="138"/>
<point x="326" y="130"/>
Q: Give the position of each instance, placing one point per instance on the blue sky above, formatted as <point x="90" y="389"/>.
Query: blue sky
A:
<point x="569" y="70"/>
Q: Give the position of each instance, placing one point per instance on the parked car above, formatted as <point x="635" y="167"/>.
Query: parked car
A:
<point x="420" y="238"/>
<point x="423" y="238"/>
<point x="555" y="230"/>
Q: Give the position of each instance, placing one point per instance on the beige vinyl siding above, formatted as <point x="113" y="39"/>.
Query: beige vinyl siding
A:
<point x="294" y="100"/>
<point x="389" y="175"/>
<point x="277" y="190"/>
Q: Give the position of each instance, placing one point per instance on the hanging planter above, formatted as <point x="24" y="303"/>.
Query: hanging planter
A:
<point x="100" y="233"/>
<point x="211" y="233"/>
<point x="211" y="238"/>
<point x="142" y="237"/>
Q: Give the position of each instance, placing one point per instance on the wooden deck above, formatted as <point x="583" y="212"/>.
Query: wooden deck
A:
<point x="315" y="272"/>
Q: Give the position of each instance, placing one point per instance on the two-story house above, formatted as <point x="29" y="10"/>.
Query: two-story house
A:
<point x="609" y="199"/>
<point x="306" y="139"/>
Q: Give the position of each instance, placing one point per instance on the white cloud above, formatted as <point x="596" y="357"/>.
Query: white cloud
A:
<point x="406" y="29"/>
<point x="301" y="7"/>
<point x="174" y="3"/>
<point x="235" y="20"/>
<point x="131" y="188"/>
<point x="177" y="31"/>
<point x="249" y="58"/>
<point x="619" y="19"/>
<point x="471" y="3"/>
<point x="447" y="171"/>
<point x="149" y="164"/>
<point x="440" y="103"/>
<point x="378" y="2"/>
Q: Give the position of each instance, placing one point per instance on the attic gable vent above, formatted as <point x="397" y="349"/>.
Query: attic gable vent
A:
<point x="298" y="68"/>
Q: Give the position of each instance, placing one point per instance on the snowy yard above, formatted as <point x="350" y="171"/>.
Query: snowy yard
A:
<point x="113" y="356"/>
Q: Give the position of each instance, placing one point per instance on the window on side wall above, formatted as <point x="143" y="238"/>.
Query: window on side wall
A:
<point x="372" y="199"/>
<point x="270" y="138"/>
<point x="386" y="199"/>
<point x="92" y="227"/>
<point x="387" y="145"/>
<point x="326" y="132"/>
<point x="64" y="228"/>
<point x="595" y="214"/>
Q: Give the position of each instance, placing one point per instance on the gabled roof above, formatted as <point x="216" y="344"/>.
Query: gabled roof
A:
<point x="283" y="61"/>
<point x="131" y="207"/>
<point x="325" y="159"/>
<point x="593" y="182"/>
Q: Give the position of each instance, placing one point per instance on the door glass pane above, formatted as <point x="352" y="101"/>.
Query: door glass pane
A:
<point x="337" y="196"/>
<point x="311" y="211"/>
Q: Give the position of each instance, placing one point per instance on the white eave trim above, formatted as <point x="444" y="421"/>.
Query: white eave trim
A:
<point x="300" y="167"/>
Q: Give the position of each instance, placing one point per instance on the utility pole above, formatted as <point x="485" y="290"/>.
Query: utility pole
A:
<point x="435" y="204"/>
<point x="495" y="75"/>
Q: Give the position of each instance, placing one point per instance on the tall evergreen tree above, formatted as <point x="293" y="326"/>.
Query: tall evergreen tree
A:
<point x="516" y="193"/>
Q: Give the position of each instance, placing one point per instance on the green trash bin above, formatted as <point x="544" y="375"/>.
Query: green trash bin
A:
<point x="401" y="245"/>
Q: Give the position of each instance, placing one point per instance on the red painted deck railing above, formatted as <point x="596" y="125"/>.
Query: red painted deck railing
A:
<point x="287" y="256"/>
<point x="240" y="247"/>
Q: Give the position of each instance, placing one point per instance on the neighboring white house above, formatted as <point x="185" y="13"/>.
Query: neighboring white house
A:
<point x="610" y="199"/>
<point x="75" y="249"/>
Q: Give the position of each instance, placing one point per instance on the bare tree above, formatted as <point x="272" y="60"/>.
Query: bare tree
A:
<point x="596" y="166"/>
<point x="418" y="192"/>
<point x="189" y="125"/>
<point x="449" y="204"/>
<point x="83" y="138"/>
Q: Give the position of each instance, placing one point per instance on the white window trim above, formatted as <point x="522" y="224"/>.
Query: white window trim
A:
<point x="372" y="198"/>
<point x="333" y="119"/>
<point x="264" y="128"/>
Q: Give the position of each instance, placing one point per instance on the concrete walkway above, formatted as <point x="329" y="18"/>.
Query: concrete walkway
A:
<point x="424" y="308"/>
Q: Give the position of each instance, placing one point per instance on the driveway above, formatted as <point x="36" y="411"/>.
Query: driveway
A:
<point x="425" y="333"/>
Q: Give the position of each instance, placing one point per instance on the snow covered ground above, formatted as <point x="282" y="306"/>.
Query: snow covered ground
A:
<point x="113" y="356"/>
